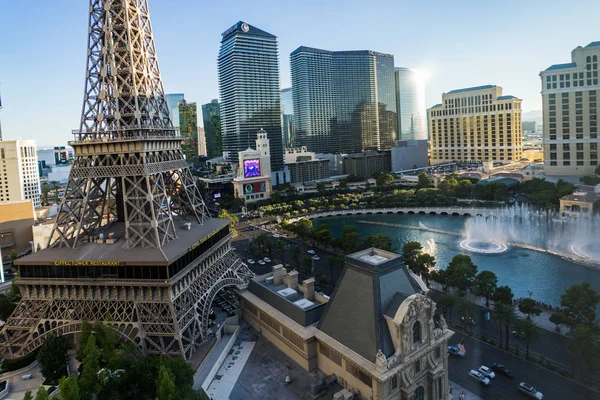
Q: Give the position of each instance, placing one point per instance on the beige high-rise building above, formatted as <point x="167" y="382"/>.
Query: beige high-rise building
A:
<point x="569" y="94"/>
<point x="476" y="123"/>
<point x="19" y="174"/>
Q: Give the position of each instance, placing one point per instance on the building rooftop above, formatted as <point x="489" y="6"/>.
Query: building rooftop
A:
<point x="508" y="97"/>
<point x="471" y="89"/>
<point x="118" y="252"/>
<point x="593" y="44"/>
<point x="587" y="197"/>
<point x="561" y="66"/>
<point x="439" y="105"/>
<point x="251" y="30"/>
<point x="372" y="283"/>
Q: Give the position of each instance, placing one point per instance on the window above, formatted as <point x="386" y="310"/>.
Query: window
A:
<point x="416" y="332"/>
<point x="419" y="394"/>
<point x="394" y="382"/>
<point x="440" y="387"/>
<point x="438" y="352"/>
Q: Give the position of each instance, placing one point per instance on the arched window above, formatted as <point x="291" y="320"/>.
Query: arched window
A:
<point x="595" y="58"/>
<point x="419" y="394"/>
<point x="588" y="59"/>
<point x="416" y="331"/>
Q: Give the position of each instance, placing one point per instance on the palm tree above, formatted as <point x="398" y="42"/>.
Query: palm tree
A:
<point x="296" y="255"/>
<point x="530" y="331"/>
<point x="585" y="343"/>
<point x="281" y="248"/>
<point x="307" y="265"/>
<point x="333" y="262"/>
<point x="505" y="314"/>
<point x="54" y="186"/>
<point x="465" y="310"/>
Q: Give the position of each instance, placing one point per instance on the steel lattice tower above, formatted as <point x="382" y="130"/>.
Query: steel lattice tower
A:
<point x="133" y="242"/>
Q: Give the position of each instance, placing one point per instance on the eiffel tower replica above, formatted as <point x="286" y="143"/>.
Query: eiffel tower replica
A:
<point x="133" y="243"/>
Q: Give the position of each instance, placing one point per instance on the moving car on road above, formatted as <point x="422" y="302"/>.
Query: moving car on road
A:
<point x="478" y="376"/>
<point x="530" y="391"/>
<point x="310" y="251"/>
<point x="503" y="370"/>
<point x="455" y="351"/>
<point x="316" y="257"/>
<point x="487" y="372"/>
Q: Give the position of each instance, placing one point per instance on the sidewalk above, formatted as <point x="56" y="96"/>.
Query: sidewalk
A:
<point x="543" y="320"/>
<point x="456" y="391"/>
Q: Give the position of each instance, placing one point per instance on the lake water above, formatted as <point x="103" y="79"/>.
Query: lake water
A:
<point x="523" y="270"/>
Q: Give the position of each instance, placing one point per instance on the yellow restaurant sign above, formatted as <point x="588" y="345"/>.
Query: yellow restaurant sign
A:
<point x="75" y="263"/>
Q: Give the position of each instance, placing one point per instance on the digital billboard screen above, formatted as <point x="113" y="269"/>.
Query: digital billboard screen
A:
<point x="251" y="168"/>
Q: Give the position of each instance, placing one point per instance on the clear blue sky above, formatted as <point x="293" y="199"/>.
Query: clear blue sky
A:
<point x="461" y="43"/>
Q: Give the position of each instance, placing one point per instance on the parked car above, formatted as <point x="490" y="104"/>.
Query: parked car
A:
<point x="267" y="259"/>
<point x="310" y="251"/>
<point x="478" y="376"/>
<point x="455" y="351"/>
<point x="530" y="391"/>
<point x="316" y="257"/>
<point x="250" y="261"/>
<point x="503" y="370"/>
<point x="487" y="372"/>
<point x="261" y="262"/>
<point x="26" y="377"/>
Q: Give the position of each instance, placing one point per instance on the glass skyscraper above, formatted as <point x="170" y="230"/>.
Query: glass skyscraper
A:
<point x="211" y="117"/>
<point x="287" y="117"/>
<point x="344" y="101"/>
<point x="173" y="101"/>
<point x="412" y="112"/>
<point x="248" y="68"/>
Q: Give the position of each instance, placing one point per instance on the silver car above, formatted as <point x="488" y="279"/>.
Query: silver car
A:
<point x="530" y="391"/>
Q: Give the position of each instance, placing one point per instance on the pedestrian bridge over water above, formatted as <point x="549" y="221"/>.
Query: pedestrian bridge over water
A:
<point x="457" y="211"/>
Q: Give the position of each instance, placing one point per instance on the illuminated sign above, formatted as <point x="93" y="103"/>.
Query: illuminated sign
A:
<point x="60" y="156"/>
<point x="251" y="168"/>
<point x="256" y="187"/>
<point x="77" y="263"/>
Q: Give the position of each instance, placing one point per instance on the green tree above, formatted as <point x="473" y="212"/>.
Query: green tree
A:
<point x="350" y="238"/>
<point x="461" y="272"/>
<point x="88" y="380"/>
<point x="410" y="254"/>
<point x="28" y="395"/>
<point x="334" y="262"/>
<point x="304" y="227"/>
<point x="42" y="394"/>
<point x="529" y="307"/>
<point x="296" y="250"/>
<point x="7" y="306"/>
<point x="384" y="179"/>
<point x="484" y="285"/>
<point x="506" y="315"/>
<point x="425" y="263"/>
<point x="529" y="331"/>
<point x="503" y="294"/>
<point x="68" y="388"/>
<point x="440" y="276"/>
<point x="424" y="181"/>
<point x="53" y="357"/>
<point x="379" y="241"/>
<point x="446" y="303"/>
<point x="597" y="170"/>
<point x="280" y="246"/>
<point x="86" y="331"/>
<point x="584" y="344"/>
<point x="165" y="387"/>
<point x="321" y="188"/>
<point x="322" y="234"/>
<point x="579" y="305"/>
<point x="232" y="218"/>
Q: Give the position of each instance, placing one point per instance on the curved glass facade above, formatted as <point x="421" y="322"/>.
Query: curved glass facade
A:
<point x="248" y="68"/>
<point x="412" y="112"/>
<point x="344" y="101"/>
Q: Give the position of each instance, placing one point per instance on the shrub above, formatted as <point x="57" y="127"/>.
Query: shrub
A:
<point x="18" y="363"/>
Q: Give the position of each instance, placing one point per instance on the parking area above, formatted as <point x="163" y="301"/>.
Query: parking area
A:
<point x="18" y="387"/>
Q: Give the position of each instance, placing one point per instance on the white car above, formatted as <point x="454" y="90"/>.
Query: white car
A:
<point x="316" y="257"/>
<point x="310" y="251"/>
<point x="250" y="261"/>
<point x="267" y="259"/>
<point x="487" y="372"/>
<point x="275" y="235"/>
<point x="261" y="262"/>
<point x="478" y="376"/>
<point x="530" y="391"/>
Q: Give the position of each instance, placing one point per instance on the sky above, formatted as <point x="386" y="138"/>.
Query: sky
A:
<point x="460" y="43"/>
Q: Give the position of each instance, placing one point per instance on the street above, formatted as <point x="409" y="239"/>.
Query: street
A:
<point x="552" y="385"/>
<point x="549" y="344"/>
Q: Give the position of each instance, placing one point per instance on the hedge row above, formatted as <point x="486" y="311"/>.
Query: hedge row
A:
<point x="17" y="363"/>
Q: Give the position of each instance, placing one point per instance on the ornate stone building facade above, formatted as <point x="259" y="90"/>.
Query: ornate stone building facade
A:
<point x="378" y="333"/>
